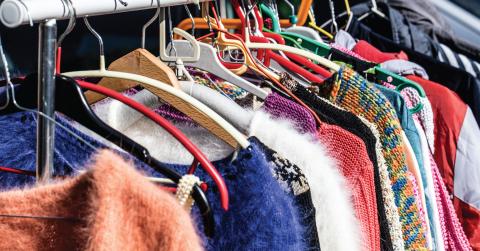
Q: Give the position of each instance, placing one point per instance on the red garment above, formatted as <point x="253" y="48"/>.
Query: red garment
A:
<point x="372" y="54"/>
<point x="456" y="153"/>
<point x="352" y="159"/>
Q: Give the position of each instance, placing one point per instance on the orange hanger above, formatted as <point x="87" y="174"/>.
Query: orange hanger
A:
<point x="230" y="23"/>
<point x="237" y="42"/>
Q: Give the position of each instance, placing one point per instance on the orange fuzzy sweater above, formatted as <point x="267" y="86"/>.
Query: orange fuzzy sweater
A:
<point x="110" y="207"/>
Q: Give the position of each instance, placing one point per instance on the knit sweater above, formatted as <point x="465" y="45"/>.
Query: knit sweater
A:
<point x="332" y="114"/>
<point x="110" y="207"/>
<point x="352" y="160"/>
<point x="354" y="93"/>
<point x="449" y="227"/>
<point x="425" y="118"/>
<point x="391" y="210"/>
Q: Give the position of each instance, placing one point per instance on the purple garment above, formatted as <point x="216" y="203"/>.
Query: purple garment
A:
<point x="281" y="107"/>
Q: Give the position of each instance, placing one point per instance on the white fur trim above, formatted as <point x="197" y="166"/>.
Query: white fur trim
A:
<point x="337" y="225"/>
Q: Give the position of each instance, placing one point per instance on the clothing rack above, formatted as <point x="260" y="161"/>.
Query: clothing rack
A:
<point x="14" y="13"/>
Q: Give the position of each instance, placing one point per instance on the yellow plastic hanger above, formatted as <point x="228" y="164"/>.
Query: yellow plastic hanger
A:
<point x="313" y="25"/>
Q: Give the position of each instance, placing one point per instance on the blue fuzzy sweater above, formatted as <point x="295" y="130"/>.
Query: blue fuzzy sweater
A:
<point x="261" y="215"/>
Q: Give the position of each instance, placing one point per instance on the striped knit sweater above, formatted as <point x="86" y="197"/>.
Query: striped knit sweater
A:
<point x="352" y="92"/>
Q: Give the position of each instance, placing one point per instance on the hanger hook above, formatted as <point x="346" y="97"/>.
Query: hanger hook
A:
<point x="332" y="12"/>
<point x="6" y="75"/>
<point x="30" y="20"/>
<point x="144" y="28"/>
<point x="170" y="27"/>
<point x="122" y="2"/>
<point x="71" y="23"/>
<point x="191" y="18"/>
<point x="95" y="33"/>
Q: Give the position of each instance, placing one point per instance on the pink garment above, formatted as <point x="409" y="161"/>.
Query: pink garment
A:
<point x="454" y="235"/>
<point x="347" y="51"/>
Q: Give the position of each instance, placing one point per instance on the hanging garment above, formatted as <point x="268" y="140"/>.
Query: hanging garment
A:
<point x="412" y="99"/>
<point x="355" y="94"/>
<point x="94" y="210"/>
<point x="406" y="121"/>
<point x="464" y="84"/>
<point x="454" y="127"/>
<point x="285" y="140"/>
<point x="294" y="181"/>
<point x="425" y="16"/>
<point x="329" y="113"/>
<point x="452" y="235"/>
<point x="341" y="145"/>
<point x="261" y="217"/>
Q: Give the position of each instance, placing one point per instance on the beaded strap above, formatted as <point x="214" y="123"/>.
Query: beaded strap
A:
<point x="184" y="190"/>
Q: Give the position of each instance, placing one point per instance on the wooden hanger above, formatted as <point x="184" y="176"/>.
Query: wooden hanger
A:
<point x="177" y="98"/>
<point x="140" y="62"/>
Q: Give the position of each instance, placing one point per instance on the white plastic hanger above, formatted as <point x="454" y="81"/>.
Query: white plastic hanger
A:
<point x="206" y="59"/>
<point x="374" y="10"/>
<point x="210" y="62"/>
<point x="180" y="100"/>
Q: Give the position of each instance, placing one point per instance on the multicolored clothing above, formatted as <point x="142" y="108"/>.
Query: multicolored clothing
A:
<point x="352" y="92"/>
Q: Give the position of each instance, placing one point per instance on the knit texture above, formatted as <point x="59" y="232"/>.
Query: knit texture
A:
<point x="391" y="210"/>
<point x="423" y="120"/>
<point x="424" y="116"/>
<point x="332" y="114"/>
<point x="354" y="93"/>
<point x="283" y="108"/>
<point x="110" y="207"/>
<point x="352" y="160"/>
<point x="453" y="233"/>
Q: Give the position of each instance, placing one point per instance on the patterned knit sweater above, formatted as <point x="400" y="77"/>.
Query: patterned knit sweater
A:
<point x="352" y="92"/>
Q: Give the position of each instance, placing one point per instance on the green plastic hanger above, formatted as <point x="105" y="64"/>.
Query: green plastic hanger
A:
<point x="312" y="45"/>
<point x="288" y="41"/>
<point x="265" y="10"/>
<point x="398" y="81"/>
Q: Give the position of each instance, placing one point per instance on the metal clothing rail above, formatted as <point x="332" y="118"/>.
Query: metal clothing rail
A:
<point x="14" y="13"/>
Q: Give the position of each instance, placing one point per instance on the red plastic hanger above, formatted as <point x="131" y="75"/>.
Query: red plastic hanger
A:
<point x="198" y="155"/>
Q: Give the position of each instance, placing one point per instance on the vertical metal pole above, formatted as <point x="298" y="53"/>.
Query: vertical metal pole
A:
<point x="46" y="99"/>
